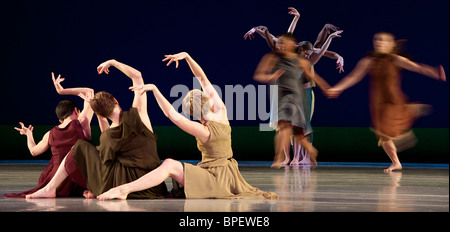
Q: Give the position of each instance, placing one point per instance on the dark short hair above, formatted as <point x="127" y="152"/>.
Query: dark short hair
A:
<point x="64" y="109"/>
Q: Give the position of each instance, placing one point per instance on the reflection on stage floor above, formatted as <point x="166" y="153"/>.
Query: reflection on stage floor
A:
<point x="329" y="187"/>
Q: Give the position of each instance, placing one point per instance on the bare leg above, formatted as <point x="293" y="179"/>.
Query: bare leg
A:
<point x="282" y="140"/>
<point x="169" y="168"/>
<point x="310" y="149"/>
<point x="297" y="148"/>
<point x="287" y="153"/>
<point x="391" y="151"/>
<point x="49" y="191"/>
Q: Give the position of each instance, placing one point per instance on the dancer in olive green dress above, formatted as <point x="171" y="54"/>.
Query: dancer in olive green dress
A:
<point x="127" y="147"/>
<point x="217" y="175"/>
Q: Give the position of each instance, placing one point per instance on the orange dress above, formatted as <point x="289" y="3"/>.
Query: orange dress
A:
<point x="392" y="115"/>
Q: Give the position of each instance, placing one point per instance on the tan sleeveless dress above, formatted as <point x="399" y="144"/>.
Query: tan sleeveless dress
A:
<point x="217" y="175"/>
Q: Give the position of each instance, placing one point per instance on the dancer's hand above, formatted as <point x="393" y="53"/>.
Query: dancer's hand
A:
<point x="441" y="75"/>
<point x="25" y="130"/>
<point x="249" y="34"/>
<point x="336" y="34"/>
<point x="293" y="12"/>
<point x="87" y="96"/>
<point x="277" y="74"/>
<point x="340" y="64"/>
<point x="176" y="58"/>
<point x="104" y="67"/>
<point x="333" y="92"/>
<point x="57" y="82"/>
<point x="329" y="27"/>
<point x="143" y="88"/>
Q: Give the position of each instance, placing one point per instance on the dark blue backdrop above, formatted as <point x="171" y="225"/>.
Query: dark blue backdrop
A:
<point x="74" y="37"/>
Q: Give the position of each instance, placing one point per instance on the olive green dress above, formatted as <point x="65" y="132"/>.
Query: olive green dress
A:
<point x="217" y="175"/>
<point x="125" y="153"/>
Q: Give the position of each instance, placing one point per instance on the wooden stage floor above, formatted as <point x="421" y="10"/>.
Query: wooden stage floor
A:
<point x="330" y="187"/>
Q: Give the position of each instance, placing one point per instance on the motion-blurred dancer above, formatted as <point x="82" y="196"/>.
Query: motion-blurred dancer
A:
<point x="284" y="69"/>
<point x="392" y="115"/>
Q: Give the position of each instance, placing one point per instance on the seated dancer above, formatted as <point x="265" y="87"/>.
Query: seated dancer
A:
<point x="217" y="175"/>
<point x="74" y="125"/>
<point x="127" y="147"/>
<point x="313" y="54"/>
<point x="392" y="115"/>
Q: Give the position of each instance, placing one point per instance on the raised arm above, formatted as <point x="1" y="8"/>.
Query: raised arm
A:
<point x="201" y="77"/>
<point x="263" y="31"/>
<point x="296" y="14"/>
<point x="194" y="128"/>
<point x="35" y="149"/>
<point x="85" y="117"/>
<point x="433" y="72"/>
<point x="139" y="101"/>
<point x="316" y="57"/>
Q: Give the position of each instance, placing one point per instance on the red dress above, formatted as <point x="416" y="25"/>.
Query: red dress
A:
<point x="60" y="141"/>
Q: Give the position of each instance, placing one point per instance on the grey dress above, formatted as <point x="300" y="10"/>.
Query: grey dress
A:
<point x="289" y="102"/>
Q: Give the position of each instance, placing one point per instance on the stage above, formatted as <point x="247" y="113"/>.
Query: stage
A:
<point x="330" y="187"/>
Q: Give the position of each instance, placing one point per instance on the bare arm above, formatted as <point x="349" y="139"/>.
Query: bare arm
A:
<point x="263" y="31"/>
<point x="355" y="76"/>
<point x="201" y="77"/>
<point x="436" y="73"/>
<point x="295" y="20"/>
<point x="139" y="101"/>
<point x="194" y="128"/>
<point x="85" y="117"/>
<point x="306" y="66"/>
<point x="316" y="57"/>
<point x="263" y="70"/>
<point x="339" y="59"/>
<point x="35" y="149"/>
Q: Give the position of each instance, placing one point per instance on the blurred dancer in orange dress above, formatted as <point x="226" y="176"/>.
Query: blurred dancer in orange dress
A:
<point x="392" y="115"/>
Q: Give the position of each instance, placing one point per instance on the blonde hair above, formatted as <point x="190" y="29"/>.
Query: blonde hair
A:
<point x="196" y="104"/>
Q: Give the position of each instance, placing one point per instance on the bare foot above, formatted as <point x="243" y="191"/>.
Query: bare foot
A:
<point x="313" y="156"/>
<point x="88" y="194"/>
<point x="393" y="167"/>
<point x="294" y="163"/>
<point x="285" y="162"/>
<point x="276" y="165"/>
<point x="42" y="193"/>
<point x="114" y="193"/>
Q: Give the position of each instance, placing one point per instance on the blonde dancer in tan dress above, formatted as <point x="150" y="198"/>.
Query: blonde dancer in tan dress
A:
<point x="217" y="175"/>
<point x="392" y="114"/>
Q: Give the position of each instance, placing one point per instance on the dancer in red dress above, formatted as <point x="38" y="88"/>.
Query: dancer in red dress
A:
<point x="74" y="125"/>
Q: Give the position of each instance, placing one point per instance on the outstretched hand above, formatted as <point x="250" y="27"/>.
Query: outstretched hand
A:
<point x="340" y="64"/>
<point x="333" y="92"/>
<point x="141" y="89"/>
<point x="57" y="82"/>
<point x="176" y="58"/>
<point x="293" y="12"/>
<point x="104" y="67"/>
<point x="24" y="130"/>
<point x="87" y="96"/>
<point x="249" y="34"/>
